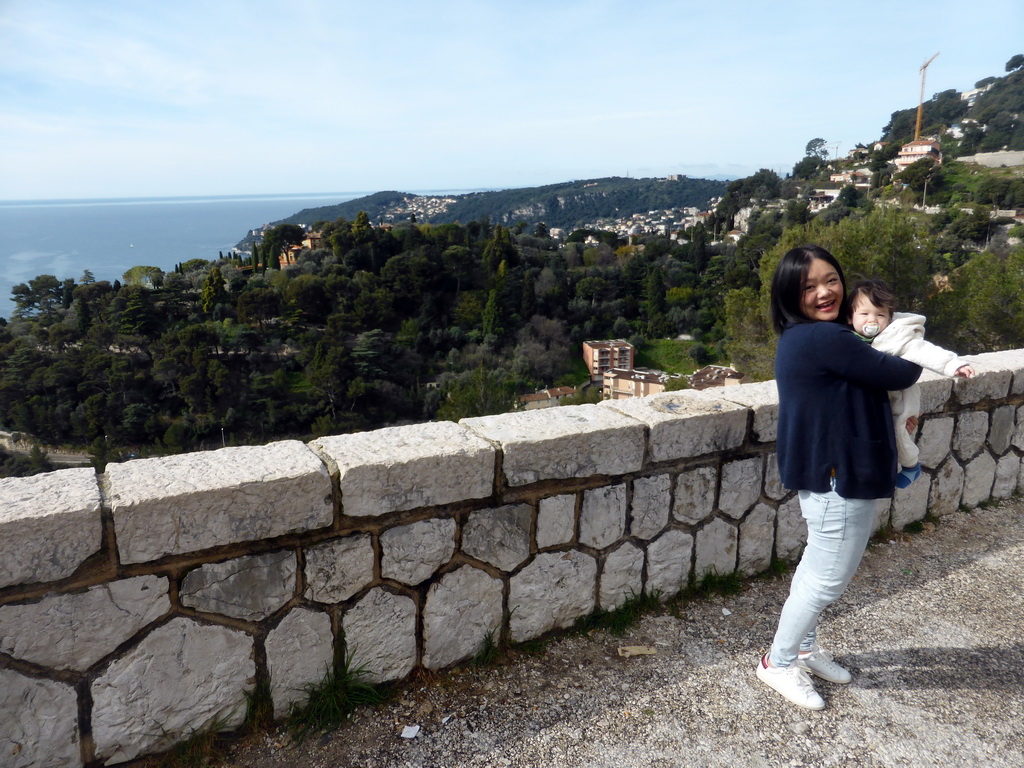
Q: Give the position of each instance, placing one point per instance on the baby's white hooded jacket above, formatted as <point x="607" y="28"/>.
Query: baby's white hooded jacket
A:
<point x="904" y="338"/>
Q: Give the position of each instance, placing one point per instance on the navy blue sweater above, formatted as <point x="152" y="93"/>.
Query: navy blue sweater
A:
<point x="834" y="411"/>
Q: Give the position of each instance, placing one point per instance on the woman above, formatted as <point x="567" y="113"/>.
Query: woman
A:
<point x="835" y="446"/>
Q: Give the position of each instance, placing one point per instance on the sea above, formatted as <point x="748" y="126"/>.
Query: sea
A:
<point x="108" y="237"/>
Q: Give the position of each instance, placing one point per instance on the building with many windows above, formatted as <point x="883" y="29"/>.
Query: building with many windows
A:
<point x="913" y="151"/>
<point x="602" y="356"/>
<point x="620" y="383"/>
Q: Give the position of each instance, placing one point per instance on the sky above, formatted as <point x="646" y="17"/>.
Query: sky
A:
<point x="146" y="98"/>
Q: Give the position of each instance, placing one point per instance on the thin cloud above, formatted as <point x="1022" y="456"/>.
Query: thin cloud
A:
<point x="124" y="98"/>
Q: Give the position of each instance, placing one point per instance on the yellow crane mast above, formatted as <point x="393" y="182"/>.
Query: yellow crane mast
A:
<point x="920" y="100"/>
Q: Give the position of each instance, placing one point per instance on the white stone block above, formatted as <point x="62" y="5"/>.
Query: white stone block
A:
<point x="179" y="680"/>
<point x="936" y="390"/>
<point x="757" y="540"/>
<point x="551" y="593"/>
<point x="177" y="504"/>
<point x="762" y="398"/>
<point x="716" y="549"/>
<point x="49" y="524"/>
<point x="380" y="635"/>
<point x="790" y="530"/>
<point x="989" y="383"/>
<point x="773" y="487"/>
<point x="74" y="631"/>
<point x="1018" y="435"/>
<point x="741" y="486"/>
<point x="1011" y="360"/>
<point x="499" y="536"/>
<point x="947" y="488"/>
<point x="38" y="723"/>
<point x="336" y="570"/>
<point x="562" y="443"/>
<point x="462" y="609"/>
<point x="651" y="506"/>
<point x="979" y="475"/>
<point x="1007" y="470"/>
<point x="249" y="588"/>
<point x="935" y="440"/>
<point x="300" y="653"/>
<point x="910" y="504"/>
<point x="556" y="520"/>
<point x="695" y="495"/>
<point x="883" y="509"/>
<point x="668" y="563"/>
<point x="1001" y="429"/>
<point x="621" y="577"/>
<point x="408" y="467"/>
<point x="603" y="516"/>
<point x="412" y="553"/>
<point x="970" y="433"/>
<point x="686" y="423"/>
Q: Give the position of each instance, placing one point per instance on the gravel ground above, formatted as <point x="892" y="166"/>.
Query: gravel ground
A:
<point x="932" y="629"/>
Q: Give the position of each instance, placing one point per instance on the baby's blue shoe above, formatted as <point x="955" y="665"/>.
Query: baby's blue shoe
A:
<point x="908" y="475"/>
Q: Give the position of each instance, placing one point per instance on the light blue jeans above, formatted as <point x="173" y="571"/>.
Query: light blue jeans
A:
<point x="838" y="530"/>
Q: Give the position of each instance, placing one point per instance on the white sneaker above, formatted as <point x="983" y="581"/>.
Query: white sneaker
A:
<point x="792" y="682"/>
<point x="819" y="662"/>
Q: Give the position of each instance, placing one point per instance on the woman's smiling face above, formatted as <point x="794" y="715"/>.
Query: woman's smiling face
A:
<point x="822" y="292"/>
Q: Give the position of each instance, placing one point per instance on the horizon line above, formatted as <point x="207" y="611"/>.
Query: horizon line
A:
<point x="348" y="195"/>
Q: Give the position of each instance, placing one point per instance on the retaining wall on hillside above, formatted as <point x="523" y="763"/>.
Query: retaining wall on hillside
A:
<point x="140" y="606"/>
<point x="995" y="159"/>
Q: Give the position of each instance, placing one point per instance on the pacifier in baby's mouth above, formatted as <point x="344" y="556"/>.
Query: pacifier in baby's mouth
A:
<point x="870" y="329"/>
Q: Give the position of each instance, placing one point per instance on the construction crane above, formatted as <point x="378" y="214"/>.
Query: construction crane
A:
<point x="920" y="101"/>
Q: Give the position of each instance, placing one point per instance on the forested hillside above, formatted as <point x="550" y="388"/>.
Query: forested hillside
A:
<point x="413" y="323"/>
<point x="992" y="123"/>
<point x="563" y="206"/>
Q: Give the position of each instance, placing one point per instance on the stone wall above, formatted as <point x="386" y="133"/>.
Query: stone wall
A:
<point x="995" y="159"/>
<point x="140" y="606"/>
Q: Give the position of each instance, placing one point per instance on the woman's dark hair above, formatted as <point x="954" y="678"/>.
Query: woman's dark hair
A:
<point x="875" y="291"/>
<point x="788" y="283"/>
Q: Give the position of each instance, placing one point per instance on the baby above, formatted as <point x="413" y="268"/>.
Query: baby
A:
<point x="874" y="319"/>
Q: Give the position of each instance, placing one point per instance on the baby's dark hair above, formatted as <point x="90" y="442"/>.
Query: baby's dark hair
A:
<point x="875" y="291"/>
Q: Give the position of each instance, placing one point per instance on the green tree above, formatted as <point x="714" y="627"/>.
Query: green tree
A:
<point x="194" y="265"/>
<point x="307" y="295"/>
<point x="146" y="276"/>
<point x="974" y="226"/>
<point x="808" y="167"/>
<point x="362" y="230"/>
<point x="481" y="392"/>
<point x="491" y="320"/>
<point x="213" y="291"/>
<point x="277" y="238"/>
<point x="817" y="148"/>
<point x="499" y="249"/>
<point x="751" y="342"/>
<point x="921" y="174"/>
<point x="258" y="305"/>
<point x="655" y="301"/>
<point x="38" y="298"/>
<point x="83" y="315"/>
<point x="137" y="318"/>
<point x="329" y="374"/>
<point x="982" y="309"/>
<point x="372" y="355"/>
